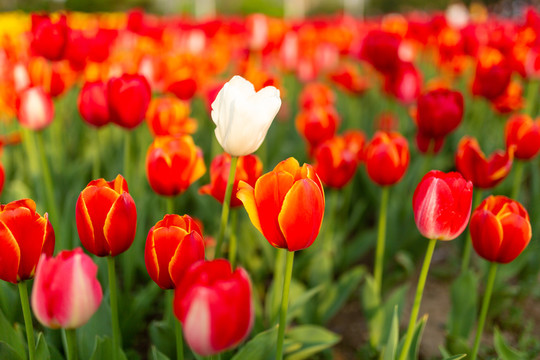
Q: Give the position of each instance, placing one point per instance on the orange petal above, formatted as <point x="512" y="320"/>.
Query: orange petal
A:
<point x="246" y="195"/>
<point x="10" y="255"/>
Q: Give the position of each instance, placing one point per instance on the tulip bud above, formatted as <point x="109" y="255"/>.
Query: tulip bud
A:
<point x="128" y="98"/>
<point x="335" y="163"/>
<point x="439" y="112"/>
<point x="24" y="236"/>
<point x="493" y="74"/>
<point x="381" y="50"/>
<point x="215" y="307"/>
<point x="317" y="124"/>
<point x="387" y="158"/>
<point x="93" y="103"/>
<point x="404" y="83"/>
<point x="243" y="116"/>
<point x="66" y="292"/>
<point x="286" y="205"/>
<point x="49" y="39"/>
<point x="169" y="116"/>
<point x="106" y="217"/>
<point x="248" y="169"/>
<point x="442" y="205"/>
<point x="500" y="229"/>
<point x="523" y="133"/>
<point x="35" y="108"/>
<point x="173" y="163"/>
<point x="316" y="94"/>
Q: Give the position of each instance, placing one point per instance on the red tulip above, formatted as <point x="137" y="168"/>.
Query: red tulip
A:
<point x="381" y="50"/>
<point x="169" y="116"/>
<point x="172" y="246"/>
<point x="442" y="205"/>
<point x="248" y="169"/>
<point x="484" y="173"/>
<point x="500" y="229"/>
<point x="215" y="307"/>
<point x="387" y="158"/>
<point x="106" y="217"/>
<point x="523" y="133"/>
<point x="24" y="236"/>
<point x="35" y="108"/>
<point x="317" y="124"/>
<point x="93" y="103"/>
<point x="183" y="89"/>
<point x="49" y="39"/>
<point x="335" y="163"/>
<point x="316" y="94"/>
<point x="493" y="74"/>
<point x="173" y="163"/>
<point x="128" y="97"/>
<point x="404" y="83"/>
<point x="286" y="205"/>
<point x="66" y="292"/>
<point x="355" y="140"/>
<point x="349" y="79"/>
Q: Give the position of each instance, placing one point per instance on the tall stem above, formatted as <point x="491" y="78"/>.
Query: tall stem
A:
<point x="226" y="206"/>
<point x="96" y="165"/>
<point x="23" y="292"/>
<point x="70" y="343"/>
<point x="233" y="245"/>
<point x="284" y="304"/>
<point x="484" y="310"/>
<point x="178" y="330"/>
<point x="518" y="176"/>
<point x="170" y="204"/>
<point x="532" y="91"/>
<point x="466" y="259"/>
<point x="47" y="179"/>
<point x="417" y="299"/>
<point x="114" y="307"/>
<point x="127" y="155"/>
<point x="381" y="239"/>
<point x="278" y="283"/>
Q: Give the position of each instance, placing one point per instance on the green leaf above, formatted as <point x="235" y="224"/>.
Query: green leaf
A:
<point x="313" y="339"/>
<point x="42" y="350"/>
<point x="261" y="347"/>
<point x="338" y="294"/>
<point x="10" y="336"/>
<point x="103" y="349"/>
<point x="8" y="353"/>
<point x="299" y="303"/>
<point x="389" y="351"/>
<point x="157" y="355"/>
<point x="504" y="350"/>
<point x="456" y="357"/>
<point x="464" y="301"/>
<point x="162" y="336"/>
<point x="416" y="340"/>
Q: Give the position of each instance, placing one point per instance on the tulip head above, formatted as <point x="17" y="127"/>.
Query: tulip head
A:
<point x="170" y="116"/>
<point x="24" y="236"/>
<point x="523" y="133"/>
<point x="106" y="217"/>
<point x="215" y="307"/>
<point x="248" y="169"/>
<point x="317" y="124"/>
<point x="439" y="112"/>
<point x="173" y="163"/>
<point x="35" y="109"/>
<point x="49" y="39"/>
<point x="286" y="205"/>
<point x="66" y="292"/>
<point x="381" y="50"/>
<point x="128" y="98"/>
<point x="484" y="173"/>
<point x="243" y="116"/>
<point x="93" y="103"/>
<point x="493" y="74"/>
<point x="500" y="229"/>
<point x="335" y="164"/>
<point x="442" y="205"/>
<point x="387" y="158"/>
<point x="172" y="246"/>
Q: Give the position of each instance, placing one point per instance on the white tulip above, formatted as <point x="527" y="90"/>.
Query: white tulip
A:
<point x="243" y="116"/>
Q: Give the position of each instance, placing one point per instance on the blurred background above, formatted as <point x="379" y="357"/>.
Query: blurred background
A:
<point x="271" y="7"/>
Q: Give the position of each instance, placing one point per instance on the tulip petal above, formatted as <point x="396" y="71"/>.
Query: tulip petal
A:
<point x="247" y="196"/>
<point x="197" y="322"/>
<point x="301" y="215"/>
<point x="517" y="234"/>
<point x="120" y="224"/>
<point x="10" y="255"/>
<point x="486" y="234"/>
<point x="85" y="228"/>
<point x="189" y="251"/>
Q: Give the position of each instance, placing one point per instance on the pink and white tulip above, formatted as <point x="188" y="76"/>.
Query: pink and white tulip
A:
<point x="35" y="108"/>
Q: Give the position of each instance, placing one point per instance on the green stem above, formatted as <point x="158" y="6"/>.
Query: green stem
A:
<point x="284" y="304"/>
<point x="417" y="299"/>
<point x="70" y="343"/>
<point x="96" y="165"/>
<point x="484" y="310"/>
<point x="23" y="292"/>
<point x="233" y="245"/>
<point x="31" y="151"/>
<point x="179" y="339"/>
<point x="532" y="91"/>
<point x="381" y="239"/>
<point x="127" y="155"/>
<point x="518" y="176"/>
<point x="47" y="179"/>
<point x="278" y="283"/>
<point x="466" y="259"/>
<point x="226" y="206"/>
<point x="170" y="204"/>
<point x="114" y="307"/>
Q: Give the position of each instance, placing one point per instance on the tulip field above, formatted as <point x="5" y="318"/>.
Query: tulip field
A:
<point x="256" y="187"/>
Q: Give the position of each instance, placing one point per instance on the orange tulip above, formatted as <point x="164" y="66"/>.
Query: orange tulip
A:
<point x="335" y="163"/>
<point x="286" y="205"/>
<point x="524" y="133"/>
<point x="169" y="116"/>
<point x="387" y="157"/>
<point x="317" y="124"/>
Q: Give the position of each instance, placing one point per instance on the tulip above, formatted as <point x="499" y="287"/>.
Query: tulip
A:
<point x="317" y="124"/>
<point x="172" y="246"/>
<point x="35" y="108"/>
<point x="93" y="103"/>
<point x="404" y="83"/>
<point x="214" y="305"/>
<point x="493" y="74"/>
<point x="128" y="98"/>
<point x="173" y="163"/>
<point x="387" y="158"/>
<point x="316" y="94"/>
<point x="24" y="236"/>
<point x="49" y="39"/>
<point x="106" y="217"/>
<point x="523" y="133"/>
<point x="183" y="89"/>
<point x="348" y="78"/>
<point x="442" y="205"/>
<point x="335" y="163"/>
<point x="355" y="140"/>
<point x="249" y="169"/>
<point x="243" y="116"/>
<point x="381" y="50"/>
<point x="286" y="205"/>
<point x="484" y="173"/>
<point x="169" y="116"/>
<point x="66" y="292"/>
